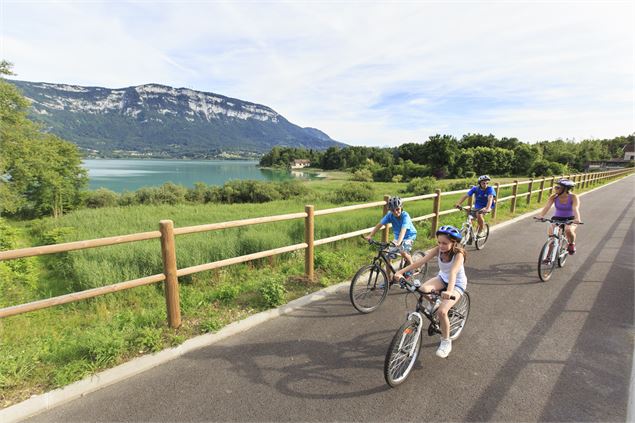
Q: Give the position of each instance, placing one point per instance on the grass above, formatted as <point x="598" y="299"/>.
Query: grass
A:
<point x="53" y="347"/>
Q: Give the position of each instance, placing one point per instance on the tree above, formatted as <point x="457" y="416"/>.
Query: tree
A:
<point x="441" y="152"/>
<point x="39" y="173"/>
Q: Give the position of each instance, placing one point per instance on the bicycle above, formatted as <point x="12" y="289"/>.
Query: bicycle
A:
<point x="555" y="249"/>
<point x="406" y="343"/>
<point x="467" y="229"/>
<point x="370" y="284"/>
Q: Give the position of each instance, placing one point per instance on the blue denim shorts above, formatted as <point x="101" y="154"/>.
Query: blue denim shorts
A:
<point x="406" y="245"/>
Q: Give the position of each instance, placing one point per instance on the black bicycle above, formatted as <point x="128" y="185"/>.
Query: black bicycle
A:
<point x="371" y="283"/>
<point x="468" y="232"/>
<point x="555" y="250"/>
<point x="406" y="344"/>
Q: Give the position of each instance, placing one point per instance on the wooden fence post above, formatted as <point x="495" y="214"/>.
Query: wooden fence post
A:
<point x="436" y="208"/>
<point x="309" y="233"/>
<point x="496" y="189"/>
<point x="384" y="235"/>
<point x="531" y="186"/>
<point x="553" y="183"/>
<point x="168" y="253"/>
<point x="514" y="193"/>
<point x="542" y="189"/>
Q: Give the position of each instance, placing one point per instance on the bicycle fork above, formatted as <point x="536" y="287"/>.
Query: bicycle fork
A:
<point x="417" y="334"/>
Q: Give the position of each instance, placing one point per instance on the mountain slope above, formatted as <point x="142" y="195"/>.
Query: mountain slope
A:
<point x="160" y="121"/>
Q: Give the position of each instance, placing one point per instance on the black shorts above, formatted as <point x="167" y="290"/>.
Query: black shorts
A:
<point x="562" y="219"/>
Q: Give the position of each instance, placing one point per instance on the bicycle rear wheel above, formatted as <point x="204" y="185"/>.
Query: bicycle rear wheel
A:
<point x="546" y="263"/>
<point x="421" y="270"/>
<point x="369" y="288"/>
<point x="480" y="241"/>
<point x="402" y="353"/>
<point x="458" y="315"/>
<point x="563" y="252"/>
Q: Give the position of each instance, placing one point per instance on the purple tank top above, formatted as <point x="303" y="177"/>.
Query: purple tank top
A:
<point x="563" y="210"/>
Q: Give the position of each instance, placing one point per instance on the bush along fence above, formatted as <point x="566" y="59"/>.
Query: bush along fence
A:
<point x="167" y="233"/>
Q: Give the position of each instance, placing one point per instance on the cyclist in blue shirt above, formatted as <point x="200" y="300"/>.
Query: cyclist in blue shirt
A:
<point x="485" y="200"/>
<point x="402" y="227"/>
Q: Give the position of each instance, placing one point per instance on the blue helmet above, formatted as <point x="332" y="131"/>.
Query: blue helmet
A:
<point x="450" y="231"/>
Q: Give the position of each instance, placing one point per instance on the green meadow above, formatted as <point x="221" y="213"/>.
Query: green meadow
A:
<point x="54" y="347"/>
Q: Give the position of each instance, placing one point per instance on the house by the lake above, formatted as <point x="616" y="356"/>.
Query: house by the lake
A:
<point x="300" y="163"/>
<point x="629" y="156"/>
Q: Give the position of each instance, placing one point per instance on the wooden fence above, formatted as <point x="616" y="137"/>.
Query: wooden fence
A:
<point x="167" y="233"/>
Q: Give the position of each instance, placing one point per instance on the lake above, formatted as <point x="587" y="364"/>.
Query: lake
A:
<point x="130" y="175"/>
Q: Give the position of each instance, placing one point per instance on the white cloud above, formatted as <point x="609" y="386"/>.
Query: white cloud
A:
<point x="364" y="72"/>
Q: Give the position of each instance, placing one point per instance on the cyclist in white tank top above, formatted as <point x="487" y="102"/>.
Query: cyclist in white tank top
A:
<point x="451" y="278"/>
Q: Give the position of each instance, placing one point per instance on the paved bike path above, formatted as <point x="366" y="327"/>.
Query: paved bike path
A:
<point x="531" y="351"/>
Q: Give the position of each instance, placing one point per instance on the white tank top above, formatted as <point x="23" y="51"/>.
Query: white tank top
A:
<point x="444" y="272"/>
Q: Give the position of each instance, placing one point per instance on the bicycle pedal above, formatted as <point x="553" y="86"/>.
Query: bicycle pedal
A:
<point x="431" y="330"/>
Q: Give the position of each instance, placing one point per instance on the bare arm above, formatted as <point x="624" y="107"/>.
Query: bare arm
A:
<point x="461" y="200"/>
<point x="490" y="200"/>
<point x="576" y="209"/>
<point x="429" y="255"/>
<point x="547" y="206"/>
<point x="374" y="231"/>
<point x="402" y="234"/>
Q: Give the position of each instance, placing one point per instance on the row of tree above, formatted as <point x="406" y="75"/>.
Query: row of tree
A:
<point x="444" y="156"/>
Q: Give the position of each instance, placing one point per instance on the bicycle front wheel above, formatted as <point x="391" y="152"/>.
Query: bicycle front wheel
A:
<point x="369" y="288"/>
<point x="458" y="315"/>
<point x="481" y="240"/>
<point x="546" y="262"/>
<point x="563" y="252"/>
<point x="465" y="234"/>
<point x="421" y="271"/>
<point x="402" y="353"/>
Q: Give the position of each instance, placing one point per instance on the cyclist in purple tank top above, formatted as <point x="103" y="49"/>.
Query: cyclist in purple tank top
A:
<point x="567" y="207"/>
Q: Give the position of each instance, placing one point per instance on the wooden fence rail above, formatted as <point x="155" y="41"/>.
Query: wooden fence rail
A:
<point x="167" y="234"/>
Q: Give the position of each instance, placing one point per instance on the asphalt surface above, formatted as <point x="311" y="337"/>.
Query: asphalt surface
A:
<point x="531" y="351"/>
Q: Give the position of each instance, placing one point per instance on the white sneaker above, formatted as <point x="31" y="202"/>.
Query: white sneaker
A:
<point x="444" y="348"/>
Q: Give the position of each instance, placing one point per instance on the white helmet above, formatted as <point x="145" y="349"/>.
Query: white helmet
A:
<point x="483" y="178"/>
<point x="395" y="203"/>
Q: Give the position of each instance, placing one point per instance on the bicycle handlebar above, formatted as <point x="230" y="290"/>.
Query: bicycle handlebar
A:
<point x="434" y="294"/>
<point x="383" y="245"/>
<point x="467" y="210"/>
<point x="564" y="222"/>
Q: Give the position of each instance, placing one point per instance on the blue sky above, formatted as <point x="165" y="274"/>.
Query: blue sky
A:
<point x="366" y="73"/>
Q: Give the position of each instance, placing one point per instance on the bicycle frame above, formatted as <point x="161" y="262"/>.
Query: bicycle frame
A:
<point x="384" y="256"/>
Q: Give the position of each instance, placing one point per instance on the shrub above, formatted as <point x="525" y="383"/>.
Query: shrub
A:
<point x="354" y="192"/>
<point x="101" y="197"/>
<point x="289" y="189"/>
<point x="272" y="291"/>
<point x="363" y="175"/>
<point x="420" y="186"/>
<point x="460" y="184"/>
<point x="226" y="293"/>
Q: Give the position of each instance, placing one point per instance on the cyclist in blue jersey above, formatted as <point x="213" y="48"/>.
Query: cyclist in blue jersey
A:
<point x="403" y="229"/>
<point x="485" y="200"/>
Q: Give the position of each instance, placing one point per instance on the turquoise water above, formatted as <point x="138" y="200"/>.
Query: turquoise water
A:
<point x="130" y="175"/>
